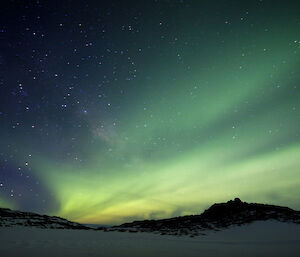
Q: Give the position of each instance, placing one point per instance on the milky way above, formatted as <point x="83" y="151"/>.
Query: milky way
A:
<point x="112" y="111"/>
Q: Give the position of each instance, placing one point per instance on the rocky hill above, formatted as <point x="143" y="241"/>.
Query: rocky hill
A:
<point x="218" y="216"/>
<point x="10" y="218"/>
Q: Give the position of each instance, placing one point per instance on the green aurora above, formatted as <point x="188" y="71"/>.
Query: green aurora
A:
<point x="213" y="115"/>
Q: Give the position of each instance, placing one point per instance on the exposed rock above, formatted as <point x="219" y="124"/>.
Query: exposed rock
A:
<point x="10" y="218"/>
<point x="218" y="216"/>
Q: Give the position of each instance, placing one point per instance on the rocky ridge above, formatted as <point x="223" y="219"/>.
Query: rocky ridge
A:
<point x="218" y="217"/>
<point x="10" y="218"/>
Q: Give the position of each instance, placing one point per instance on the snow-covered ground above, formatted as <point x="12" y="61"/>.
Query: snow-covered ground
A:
<point x="270" y="238"/>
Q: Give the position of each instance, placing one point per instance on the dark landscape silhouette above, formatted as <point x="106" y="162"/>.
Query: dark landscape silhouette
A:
<point x="218" y="217"/>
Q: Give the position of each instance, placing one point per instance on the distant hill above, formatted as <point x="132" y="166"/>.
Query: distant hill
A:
<point x="10" y="218"/>
<point x="219" y="216"/>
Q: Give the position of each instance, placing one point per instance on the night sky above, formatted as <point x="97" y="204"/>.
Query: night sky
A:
<point x="112" y="111"/>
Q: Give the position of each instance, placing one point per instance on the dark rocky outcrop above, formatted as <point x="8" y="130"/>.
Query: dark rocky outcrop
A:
<point x="218" y="216"/>
<point x="10" y="218"/>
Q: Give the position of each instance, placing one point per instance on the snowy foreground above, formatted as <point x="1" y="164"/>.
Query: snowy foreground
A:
<point x="261" y="238"/>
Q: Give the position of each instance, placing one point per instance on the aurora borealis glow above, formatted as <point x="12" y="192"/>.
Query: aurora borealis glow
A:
<point x="117" y="111"/>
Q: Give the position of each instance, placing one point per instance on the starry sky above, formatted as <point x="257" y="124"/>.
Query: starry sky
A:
<point x="113" y="111"/>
